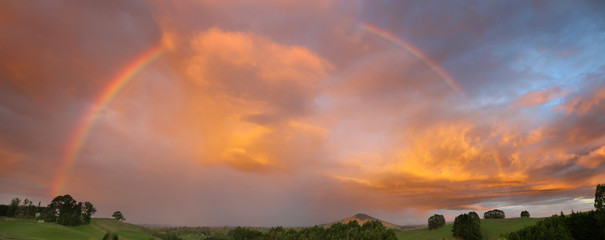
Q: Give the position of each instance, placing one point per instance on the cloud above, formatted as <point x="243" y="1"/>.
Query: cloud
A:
<point x="540" y="97"/>
<point x="593" y="159"/>
<point x="262" y="91"/>
<point x="292" y="105"/>
<point x="583" y="103"/>
<point x="249" y="67"/>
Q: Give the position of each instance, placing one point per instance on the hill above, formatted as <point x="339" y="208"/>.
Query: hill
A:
<point x="490" y="229"/>
<point x="363" y="218"/>
<point x="12" y="228"/>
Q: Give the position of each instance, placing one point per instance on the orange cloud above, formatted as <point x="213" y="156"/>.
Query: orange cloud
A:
<point x="582" y="104"/>
<point x="540" y="97"/>
<point x="289" y="103"/>
<point x="593" y="159"/>
<point x="255" y="94"/>
<point x="444" y="152"/>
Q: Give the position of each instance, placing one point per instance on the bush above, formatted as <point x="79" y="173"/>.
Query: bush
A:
<point x="371" y="230"/>
<point x="549" y="228"/>
<point x="246" y="234"/>
<point x="111" y="236"/>
<point x="3" y="210"/>
<point x="494" y="214"/>
<point x="467" y="226"/>
<point x="577" y="225"/>
<point x="525" y="213"/>
<point x="436" y="221"/>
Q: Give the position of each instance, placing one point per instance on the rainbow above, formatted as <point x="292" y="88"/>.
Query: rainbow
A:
<point x="498" y="162"/>
<point x="79" y="135"/>
<point x="434" y="67"/>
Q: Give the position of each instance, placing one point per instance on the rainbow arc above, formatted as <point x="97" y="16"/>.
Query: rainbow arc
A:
<point x="434" y="67"/>
<point x="80" y="133"/>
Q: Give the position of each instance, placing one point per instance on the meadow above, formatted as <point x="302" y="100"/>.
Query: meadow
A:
<point x="490" y="229"/>
<point x="14" y="228"/>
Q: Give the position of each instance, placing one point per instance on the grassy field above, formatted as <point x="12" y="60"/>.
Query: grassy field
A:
<point x="490" y="229"/>
<point x="11" y="228"/>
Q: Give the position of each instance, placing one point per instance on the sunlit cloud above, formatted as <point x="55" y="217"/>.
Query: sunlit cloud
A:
<point x="313" y="110"/>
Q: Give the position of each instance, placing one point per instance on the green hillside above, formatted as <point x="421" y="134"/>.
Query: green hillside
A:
<point x="490" y="229"/>
<point x="11" y="228"/>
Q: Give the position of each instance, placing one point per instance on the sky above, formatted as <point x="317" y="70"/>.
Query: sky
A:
<point x="296" y="113"/>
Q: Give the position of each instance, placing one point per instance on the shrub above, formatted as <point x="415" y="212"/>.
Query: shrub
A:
<point x="494" y="214"/>
<point x="111" y="236"/>
<point x="436" y="221"/>
<point x="467" y="226"/>
<point x="577" y="225"/>
<point x="549" y="228"/>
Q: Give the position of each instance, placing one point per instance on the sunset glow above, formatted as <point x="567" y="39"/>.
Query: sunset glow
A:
<point x="303" y="112"/>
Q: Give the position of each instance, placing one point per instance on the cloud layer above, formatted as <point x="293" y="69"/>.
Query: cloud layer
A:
<point x="290" y="113"/>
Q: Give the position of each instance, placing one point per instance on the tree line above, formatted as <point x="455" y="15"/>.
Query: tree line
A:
<point x="18" y="208"/>
<point x="371" y="230"/>
<point x="64" y="210"/>
<point x="588" y="225"/>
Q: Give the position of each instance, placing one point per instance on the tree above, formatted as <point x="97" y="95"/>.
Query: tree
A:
<point x="474" y="216"/>
<point x="26" y="207"/>
<point x="436" y="221"/>
<point x="240" y="233"/>
<point x="110" y="236"/>
<point x="467" y="226"/>
<point x="599" y="197"/>
<point x="87" y="211"/>
<point x="550" y="228"/>
<point x="525" y="213"/>
<point x="118" y="216"/>
<point x="496" y="213"/>
<point x="13" y="207"/>
<point x="67" y="211"/>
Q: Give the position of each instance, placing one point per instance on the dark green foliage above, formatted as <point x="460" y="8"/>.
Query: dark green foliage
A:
<point x="217" y="238"/>
<point x="13" y="207"/>
<point x="246" y="234"/>
<point x="118" y="216"/>
<point x="583" y="225"/>
<point x="87" y="211"/>
<point x="314" y="232"/>
<point x="20" y="209"/>
<point x="111" y="236"/>
<point x="599" y="197"/>
<point x="467" y="226"/>
<point x="550" y="228"/>
<point x="524" y="213"/>
<point x="66" y="211"/>
<point x="3" y="210"/>
<point x="69" y="211"/>
<point x="276" y="233"/>
<point x="436" y="221"/>
<point x="170" y="235"/>
<point x="375" y="230"/>
<point x="577" y="225"/>
<point x="494" y="214"/>
<point x="371" y="230"/>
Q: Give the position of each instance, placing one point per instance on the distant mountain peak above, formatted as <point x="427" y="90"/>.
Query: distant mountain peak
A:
<point x="362" y="216"/>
